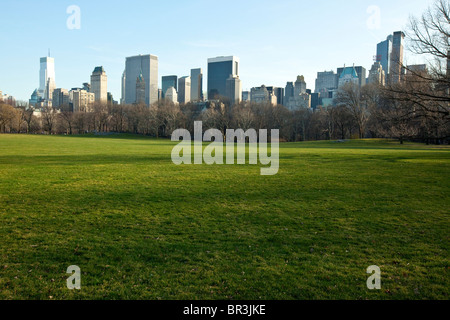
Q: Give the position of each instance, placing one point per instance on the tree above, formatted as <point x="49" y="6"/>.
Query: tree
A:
<point x="7" y="116"/>
<point x="356" y="100"/>
<point x="424" y="95"/>
<point x="49" y="119"/>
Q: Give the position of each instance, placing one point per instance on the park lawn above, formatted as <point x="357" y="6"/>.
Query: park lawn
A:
<point x="140" y="227"/>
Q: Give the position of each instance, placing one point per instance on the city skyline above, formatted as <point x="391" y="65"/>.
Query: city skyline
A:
<point x="265" y="59"/>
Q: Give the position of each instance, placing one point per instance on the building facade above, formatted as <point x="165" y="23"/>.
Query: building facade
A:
<point x="60" y="97"/>
<point x="167" y="82"/>
<point x="348" y="75"/>
<point x="234" y="89"/>
<point x="46" y="72"/>
<point x="82" y="100"/>
<point x="197" y="84"/>
<point x="148" y="65"/>
<point x="219" y="70"/>
<point x="99" y="85"/>
<point x="172" y="95"/>
<point x="396" y="67"/>
<point x="384" y="52"/>
<point x="184" y="89"/>
<point x="140" y="89"/>
<point x="376" y="74"/>
<point x="326" y="81"/>
<point x="361" y="74"/>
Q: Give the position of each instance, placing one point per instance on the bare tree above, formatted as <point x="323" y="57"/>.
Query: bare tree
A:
<point x="352" y="97"/>
<point x="49" y="116"/>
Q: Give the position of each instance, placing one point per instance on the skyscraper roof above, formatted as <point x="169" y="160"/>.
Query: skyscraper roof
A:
<point x="349" y="71"/>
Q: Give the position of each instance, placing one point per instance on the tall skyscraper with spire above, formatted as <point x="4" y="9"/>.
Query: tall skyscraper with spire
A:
<point x="140" y="89"/>
<point x="47" y="71"/>
<point x="148" y="66"/>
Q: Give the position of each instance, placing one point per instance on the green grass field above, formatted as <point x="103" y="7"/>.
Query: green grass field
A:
<point x="140" y="227"/>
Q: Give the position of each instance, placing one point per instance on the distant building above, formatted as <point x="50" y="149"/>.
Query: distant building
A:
<point x="398" y="41"/>
<point x="315" y="100"/>
<point x="148" y="65"/>
<point x="288" y="92"/>
<point x="279" y="92"/>
<point x="49" y="92"/>
<point x="184" y="90"/>
<point x="262" y="95"/>
<point x="296" y="95"/>
<point x="197" y="84"/>
<point x="82" y="100"/>
<point x="60" y="97"/>
<point x="376" y="74"/>
<point x="36" y="99"/>
<point x="160" y="95"/>
<point x="345" y="72"/>
<point x="111" y="99"/>
<point x="417" y="69"/>
<point x="384" y="52"/>
<point x="167" y="82"/>
<point x="234" y="89"/>
<point x="140" y="89"/>
<point x="245" y="95"/>
<point x="46" y="72"/>
<point x="299" y="86"/>
<point x="171" y="95"/>
<point x="124" y="77"/>
<point x="326" y="81"/>
<point x="219" y="70"/>
<point x="99" y="85"/>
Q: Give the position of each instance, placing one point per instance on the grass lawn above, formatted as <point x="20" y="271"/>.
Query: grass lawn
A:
<point x="140" y="227"/>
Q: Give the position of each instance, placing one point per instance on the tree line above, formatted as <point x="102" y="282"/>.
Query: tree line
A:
<point x="416" y="108"/>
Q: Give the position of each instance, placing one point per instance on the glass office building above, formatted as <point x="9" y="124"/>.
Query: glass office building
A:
<point x="384" y="51"/>
<point x="219" y="70"/>
<point x="167" y="82"/>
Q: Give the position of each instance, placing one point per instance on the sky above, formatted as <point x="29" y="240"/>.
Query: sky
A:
<point x="275" y="40"/>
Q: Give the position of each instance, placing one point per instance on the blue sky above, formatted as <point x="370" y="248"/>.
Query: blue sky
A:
<point x="275" y="40"/>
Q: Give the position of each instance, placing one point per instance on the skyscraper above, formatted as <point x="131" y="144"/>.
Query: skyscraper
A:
<point x="140" y="89"/>
<point x="99" y="85"/>
<point x="197" y="84"/>
<point x="122" y="100"/>
<point x="171" y="95"/>
<point x="60" y="97"/>
<point x="360" y="73"/>
<point x="219" y="70"/>
<point x="234" y="90"/>
<point x="47" y="71"/>
<point x="349" y="75"/>
<point x="49" y="88"/>
<point x="376" y="74"/>
<point x="184" y="89"/>
<point x="288" y="92"/>
<point x="299" y="86"/>
<point x="397" y="57"/>
<point x="326" y="81"/>
<point x="384" y="52"/>
<point x="148" y="64"/>
<point x="167" y="82"/>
